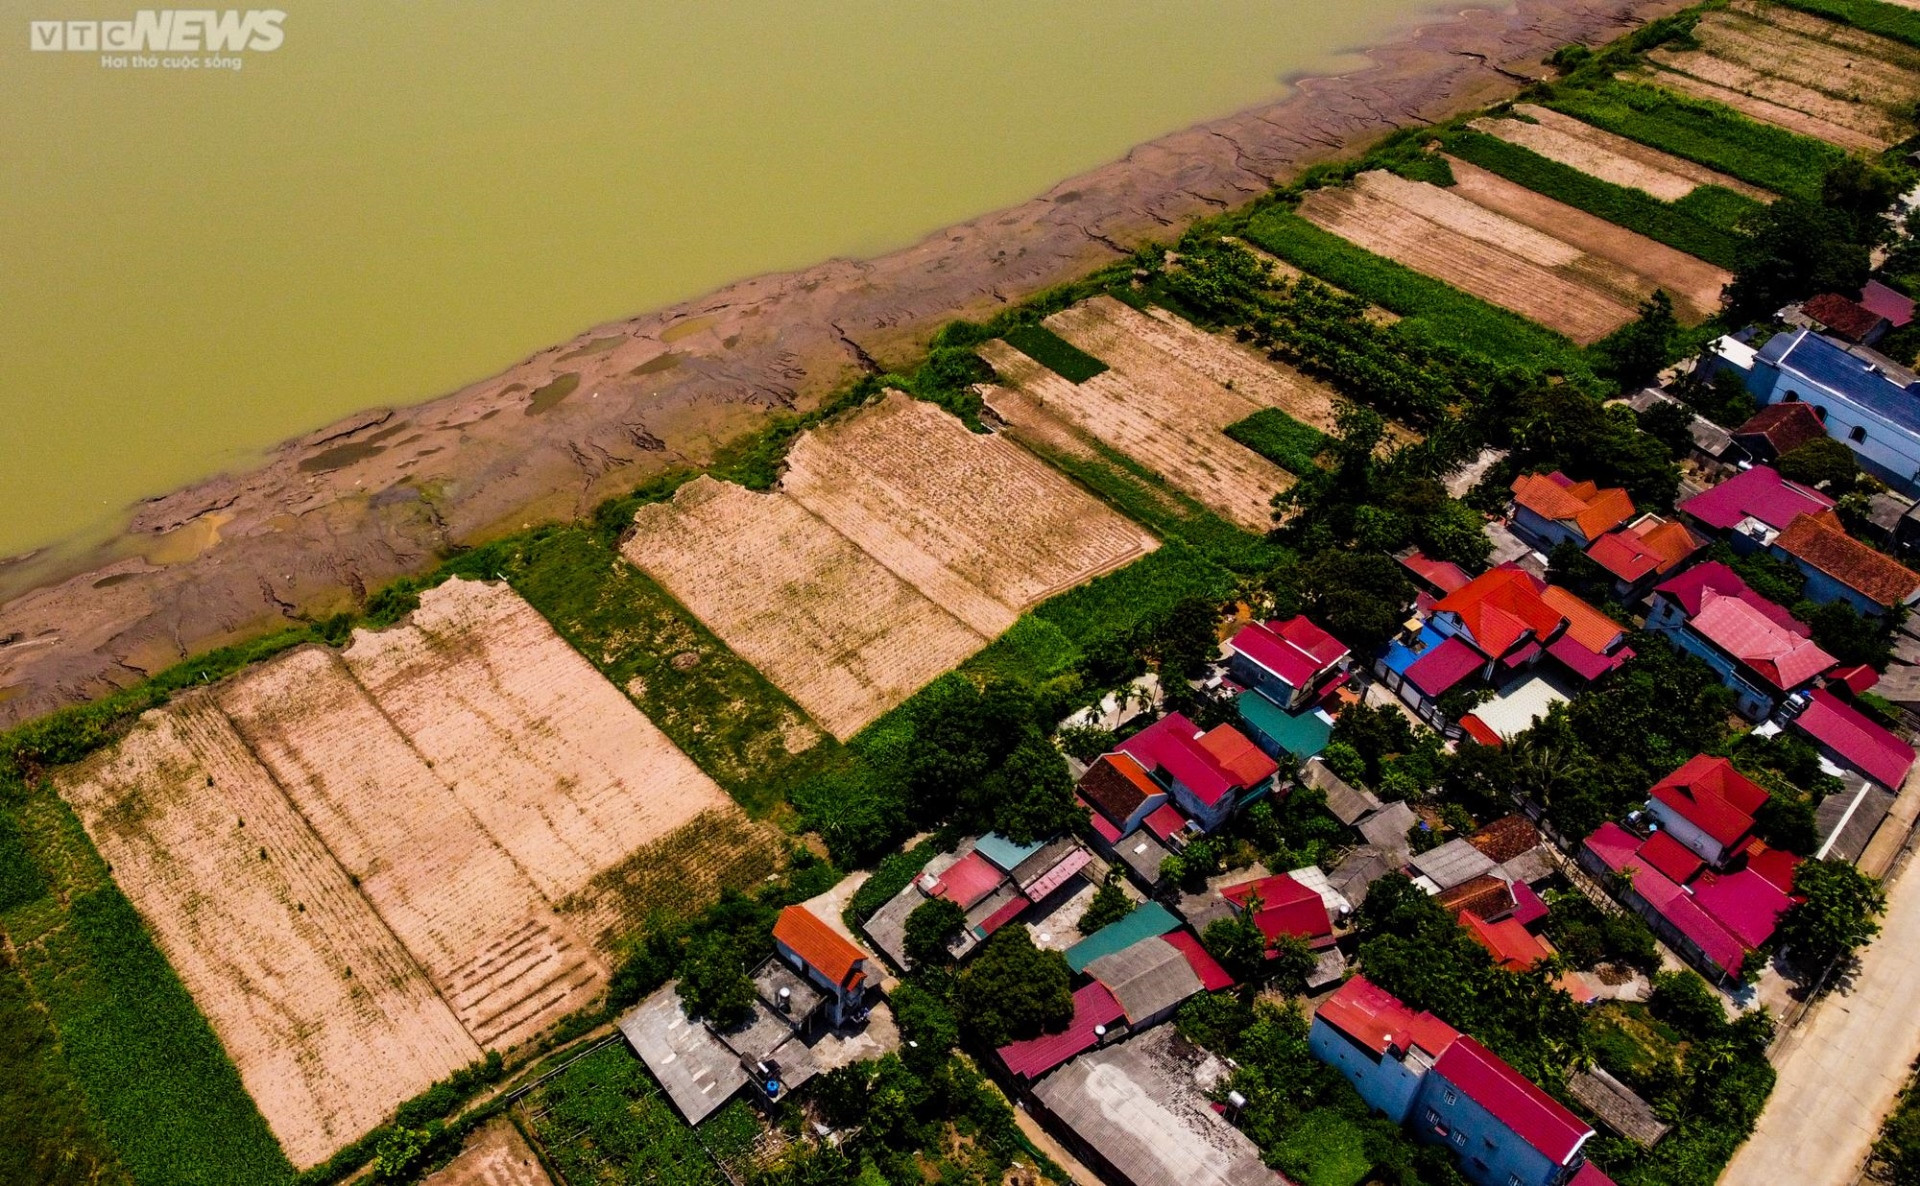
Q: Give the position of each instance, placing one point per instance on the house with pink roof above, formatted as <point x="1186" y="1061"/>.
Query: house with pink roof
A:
<point x="1751" y="509"/>
<point x="1759" y="650"/>
<point x="1849" y="738"/>
<point x="1209" y="773"/>
<point x="1285" y="661"/>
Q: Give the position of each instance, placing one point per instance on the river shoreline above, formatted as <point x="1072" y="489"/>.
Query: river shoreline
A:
<point x="339" y="512"/>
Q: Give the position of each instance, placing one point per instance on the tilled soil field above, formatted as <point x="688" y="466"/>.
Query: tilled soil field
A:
<point x="827" y="623"/>
<point x="976" y="523"/>
<point x="1799" y="72"/>
<point x="1694" y="284"/>
<point x="1609" y="157"/>
<point x="324" y="1013"/>
<point x="1575" y="305"/>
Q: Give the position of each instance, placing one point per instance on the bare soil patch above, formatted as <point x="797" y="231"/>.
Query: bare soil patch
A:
<point x="328" y="1019"/>
<point x="1612" y="158"/>
<point x="977" y="524"/>
<point x="495" y="1155"/>
<point x="828" y="623"/>
<point x="499" y="954"/>
<point x="1576" y="305"/>
<point x="554" y="763"/>
<point x="1694" y="284"/>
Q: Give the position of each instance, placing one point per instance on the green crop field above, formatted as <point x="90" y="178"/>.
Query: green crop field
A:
<point x="1280" y="439"/>
<point x="605" y="1121"/>
<point x="1888" y="20"/>
<point x="1054" y="352"/>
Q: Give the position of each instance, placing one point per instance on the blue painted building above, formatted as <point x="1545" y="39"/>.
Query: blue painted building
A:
<point x="1867" y="402"/>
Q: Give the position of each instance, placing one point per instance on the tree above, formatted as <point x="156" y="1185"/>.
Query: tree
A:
<point x="1014" y="990"/>
<point x="1636" y="352"/>
<point x="1863" y="190"/>
<point x="1291" y="963"/>
<point x="1838" y="914"/>
<point x="1849" y="635"/>
<point x="1110" y="904"/>
<point x="1794" y="250"/>
<point x="1185" y="639"/>
<point x="928" y="1028"/>
<point x="1031" y="796"/>
<point x="714" y="982"/>
<point x="1566" y="429"/>
<point x="1823" y="463"/>
<point x="1239" y="945"/>
<point x="1087" y="742"/>
<point x="930" y="931"/>
<point x="1672" y="425"/>
<point x="400" y="1153"/>
<point x="1361" y="597"/>
<point x="1683" y="1000"/>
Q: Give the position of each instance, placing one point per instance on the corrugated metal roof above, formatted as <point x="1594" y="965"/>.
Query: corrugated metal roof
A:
<point x="1147" y="978"/>
<point x="1145" y="921"/>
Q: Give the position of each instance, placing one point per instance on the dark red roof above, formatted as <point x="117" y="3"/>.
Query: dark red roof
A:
<point x="1745" y="903"/>
<point x="1092" y="1006"/>
<point x="1864" y="745"/>
<point x="1858" y="678"/>
<point x="1819" y="541"/>
<point x="1286" y="907"/>
<point x="1528" y="906"/>
<point x="1212" y="976"/>
<point x="1785" y="426"/>
<point x="1506" y="838"/>
<point x="1896" y="307"/>
<point x="1528" y="1112"/>
<point x="968" y="880"/>
<point x="1844" y="318"/>
<point x="1443" y="575"/>
<point x="1174" y="744"/>
<point x="1760" y="493"/>
<point x="1117" y="785"/>
<point x="1590" y="1175"/>
<point x="1165" y="821"/>
<point x="1714" y="797"/>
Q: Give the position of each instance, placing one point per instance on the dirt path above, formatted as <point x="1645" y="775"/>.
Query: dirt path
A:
<point x="347" y="508"/>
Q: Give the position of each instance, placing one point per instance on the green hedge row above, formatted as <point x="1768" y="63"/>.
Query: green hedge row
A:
<point x="1703" y="228"/>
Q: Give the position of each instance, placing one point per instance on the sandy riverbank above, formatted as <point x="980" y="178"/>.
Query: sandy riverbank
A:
<point x="345" y="509"/>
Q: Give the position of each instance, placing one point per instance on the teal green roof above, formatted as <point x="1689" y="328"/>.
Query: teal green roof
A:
<point x="1302" y="736"/>
<point x="1004" y="852"/>
<point x="1144" y="922"/>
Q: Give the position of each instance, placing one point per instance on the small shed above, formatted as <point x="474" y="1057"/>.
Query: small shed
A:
<point x="1347" y="803"/>
<point x="1619" y="1110"/>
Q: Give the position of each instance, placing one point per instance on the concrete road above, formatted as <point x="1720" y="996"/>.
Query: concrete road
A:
<point x="1842" y="1067"/>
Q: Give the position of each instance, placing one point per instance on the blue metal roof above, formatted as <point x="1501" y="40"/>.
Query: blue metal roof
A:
<point x="1825" y="364"/>
<point x="1400" y="656"/>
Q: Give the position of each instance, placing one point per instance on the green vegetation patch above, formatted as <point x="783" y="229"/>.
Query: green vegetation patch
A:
<point x="605" y="1120"/>
<point x="1280" y="439"/>
<point x="1324" y="1148"/>
<point x="1701" y="224"/>
<point x="1054" y="352"/>
<point x="52" y="1138"/>
<point x="1430" y="309"/>
<point x="1888" y="20"/>
<point x="1712" y="134"/>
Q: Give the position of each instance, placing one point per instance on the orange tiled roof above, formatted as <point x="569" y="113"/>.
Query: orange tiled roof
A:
<point x="1500" y="607"/>
<point x="1238" y="755"/>
<point x="1820" y="541"/>
<point x="824" y="949"/>
<point x="1593" y="510"/>
<point x="1672" y="540"/>
<point x="1585" y="624"/>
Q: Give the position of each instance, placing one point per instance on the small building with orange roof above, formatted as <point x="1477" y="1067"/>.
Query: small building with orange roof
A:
<point x="1644" y="551"/>
<point x="827" y="959"/>
<point x="1552" y="509"/>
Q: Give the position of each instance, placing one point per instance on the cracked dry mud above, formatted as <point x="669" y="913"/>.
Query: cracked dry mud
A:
<point x="339" y="512"/>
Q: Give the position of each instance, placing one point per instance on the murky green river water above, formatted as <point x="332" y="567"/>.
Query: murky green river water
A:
<point x="406" y="195"/>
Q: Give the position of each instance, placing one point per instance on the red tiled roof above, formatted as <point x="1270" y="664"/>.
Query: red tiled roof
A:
<point x="1786" y="426"/>
<point x="1633" y="552"/>
<point x="1443" y="575"/>
<point x="1286" y="907"/>
<point x="1858" y="678"/>
<point x="1774" y="864"/>
<point x="1689" y="589"/>
<point x="1864" y="745"/>
<point x="1588" y="508"/>
<point x="1012" y="909"/>
<point x="1444" y="666"/>
<point x="1760" y="493"/>
<point x="1324" y="648"/>
<point x="1480" y="731"/>
<point x="1585" y="624"/>
<point x="1818" y="541"/>
<point x="1675" y="860"/>
<point x="1590" y="1175"/>
<point x="1512" y="946"/>
<point x="1092" y="1006"/>
<point x="1843" y="317"/>
<point x="1165" y="821"/>
<point x="1614" y="845"/>
<point x="1376" y="1019"/>
<point x="1500" y="608"/>
<point x="1273" y="651"/>
<point x="1895" y="307"/>
<point x="1745" y="903"/>
<point x="1212" y="976"/>
<point x="1530" y="1113"/>
<point x="1238" y="756"/>
<point x="1618" y="849"/>
<point x="824" y="949"/>
<point x="1106" y="828"/>
<point x="1485" y="895"/>
<point x="968" y="880"/>
<point x="1777" y="655"/>
<point x="1116" y="785"/>
<point x="1710" y="794"/>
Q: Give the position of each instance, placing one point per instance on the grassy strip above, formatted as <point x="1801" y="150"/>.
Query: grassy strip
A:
<point x="1703" y="229"/>
<point x="1888" y="20"/>
<point x="1054" y="352"/>
<point x="1709" y="133"/>
<point x="604" y="1119"/>
<point x="1429" y="308"/>
<point x="1280" y="439"/>
<point x="52" y="1139"/>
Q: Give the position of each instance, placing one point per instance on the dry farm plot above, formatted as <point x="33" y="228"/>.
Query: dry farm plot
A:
<point x="977" y="524"/>
<point x="1609" y="157"/>
<point x="505" y="962"/>
<point x="1487" y="255"/>
<point x="898" y="545"/>
<point x="551" y="759"/>
<point x="1643" y="264"/>
<point x="325" y="1015"/>
<point x="1799" y="72"/>
<point x="495" y="1155"/>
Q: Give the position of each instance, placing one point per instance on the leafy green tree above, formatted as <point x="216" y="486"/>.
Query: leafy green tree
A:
<point x="1636" y="352"/>
<point x="1361" y="597"/>
<point x="1013" y="990"/>
<point x="1186" y="638"/>
<point x="1838" y="914"/>
<point x="1849" y="635"/>
<point x="1671" y="425"/>
<point x="1795" y="250"/>
<point x="1863" y="190"/>
<point x="400" y="1153"/>
<point x="928" y="1028"/>
<point x="1239" y="945"/>
<point x="1683" y="1000"/>
<point x="714" y="982"/>
<point x="1087" y="742"/>
<point x="1031" y="796"/>
<point x="1110" y="904"/>
<point x="1566" y="429"/>
<point x="1292" y="961"/>
<point x="1823" y="463"/>
<point x="930" y="931"/>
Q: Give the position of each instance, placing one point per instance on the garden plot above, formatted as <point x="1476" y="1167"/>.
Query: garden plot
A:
<point x="1821" y="79"/>
<point x="554" y="763"/>
<point x="327" y="1018"/>
<point x="502" y="959"/>
<point x="1608" y="157"/>
<point x="828" y="623"/>
<point x="977" y="524"/>
<point x="1694" y="284"/>
<point x="1487" y="255"/>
